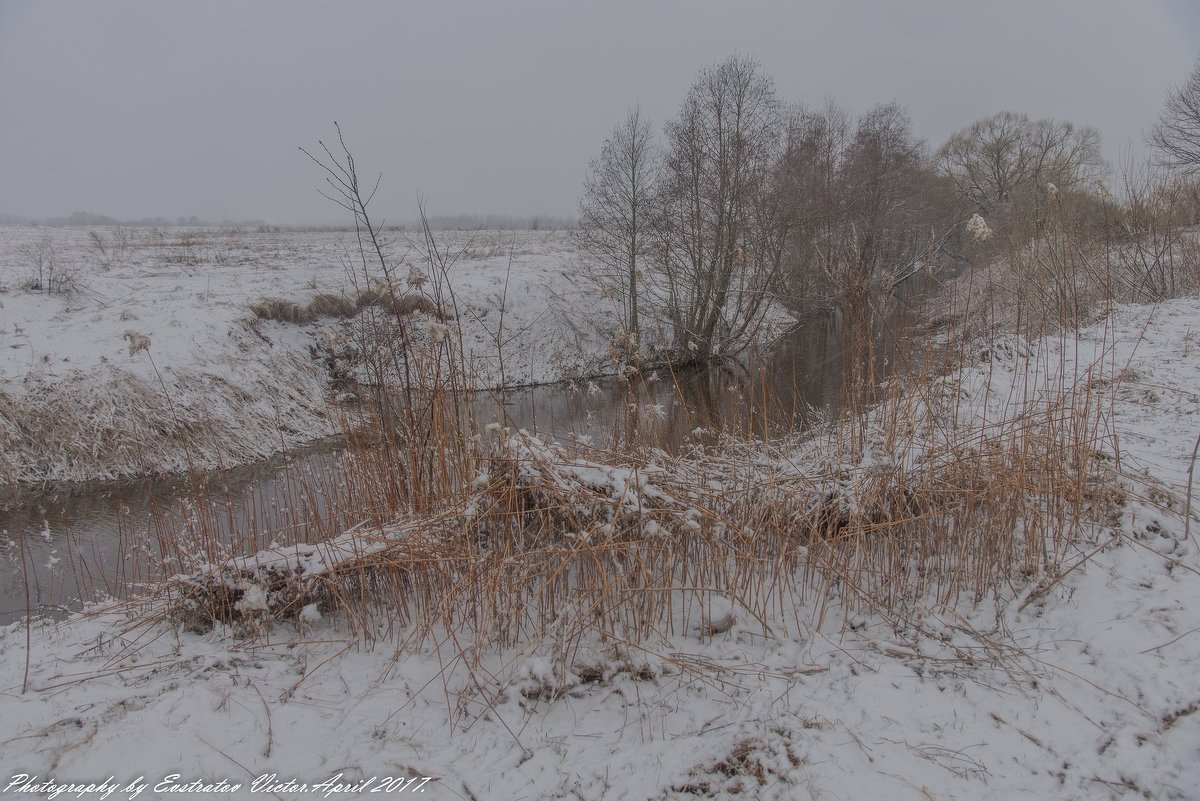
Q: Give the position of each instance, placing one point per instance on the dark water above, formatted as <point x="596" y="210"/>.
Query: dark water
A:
<point x="94" y="541"/>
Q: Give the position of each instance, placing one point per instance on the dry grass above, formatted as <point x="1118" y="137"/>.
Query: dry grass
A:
<point x="918" y="495"/>
<point x="922" y="492"/>
<point x="1143" y="250"/>
<point x="493" y="539"/>
<point x="118" y="425"/>
<point x="283" y="311"/>
<point x="328" y="305"/>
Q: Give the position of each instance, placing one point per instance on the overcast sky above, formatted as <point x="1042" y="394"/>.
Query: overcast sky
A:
<point x="137" y="109"/>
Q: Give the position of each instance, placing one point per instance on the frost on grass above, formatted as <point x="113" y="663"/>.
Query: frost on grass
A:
<point x="233" y="317"/>
<point x="870" y="651"/>
<point x="115" y="423"/>
<point x="982" y="589"/>
<point x="978" y="228"/>
<point x="137" y="342"/>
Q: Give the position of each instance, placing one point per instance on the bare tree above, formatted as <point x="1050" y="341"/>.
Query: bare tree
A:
<point x="378" y="335"/>
<point x="857" y="193"/>
<point x="809" y="177"/>
<point x="1176" y="135"/>
<point x="1006" y="159"/>
<point x="615" y="214"/>
<point x="721" y="237"/>
<point x="883" y="162"/>
<point x="986" y="160"/>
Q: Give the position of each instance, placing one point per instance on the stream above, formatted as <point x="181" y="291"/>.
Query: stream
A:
<point x="93" y="541"/>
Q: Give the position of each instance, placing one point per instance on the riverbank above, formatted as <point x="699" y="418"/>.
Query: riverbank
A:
<point x="1058" y="670"/>
<point x="129" y="352"/>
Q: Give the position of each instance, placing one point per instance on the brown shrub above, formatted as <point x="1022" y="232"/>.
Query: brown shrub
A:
<point x="404" y="305"/>
<point x="326" y="305"/>
<point x="368" y="297"/>
<point x="285" y="311"/>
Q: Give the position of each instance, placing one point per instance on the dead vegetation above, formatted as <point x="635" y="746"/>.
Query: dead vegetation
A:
<point x="46" y="271"/>
<point x="1082" y="261"/>
<point x="118" y="425"/>
<point x="923" y="491"/>
<point x="972" y="476"/>
<point x="341" y="306"/>
<point x="752" y="765"/>
<point x="500" y="539"/>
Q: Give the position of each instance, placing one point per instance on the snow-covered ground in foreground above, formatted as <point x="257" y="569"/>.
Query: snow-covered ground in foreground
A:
<point x="231" y="387"/>
<point x="1088" y="691"/>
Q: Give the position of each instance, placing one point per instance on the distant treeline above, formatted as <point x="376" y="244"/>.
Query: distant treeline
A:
<point x="496" y="222"/>
<point x="460" y="222"/>
<point x="89" y="219"/>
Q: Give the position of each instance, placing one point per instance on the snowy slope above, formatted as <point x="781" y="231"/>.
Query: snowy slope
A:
<point x="1079" y="688"/>
<point x="215" y="386"/>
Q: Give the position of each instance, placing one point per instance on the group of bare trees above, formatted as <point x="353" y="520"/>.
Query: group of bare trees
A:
<point x="684" y="233"/>
<point x="721" y="233"/>
<point x="1176" y="136"/>
<point x="747" y="200"/>
<point x="859" y="204"/>
<point x="1008" y="161"/>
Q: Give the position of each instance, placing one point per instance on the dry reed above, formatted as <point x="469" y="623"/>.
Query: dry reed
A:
<point x="976" y="473"/>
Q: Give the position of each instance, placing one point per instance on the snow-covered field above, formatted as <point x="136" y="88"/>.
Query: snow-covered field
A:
<point x="1080" y="685"/>
<point x="80" y="399"/>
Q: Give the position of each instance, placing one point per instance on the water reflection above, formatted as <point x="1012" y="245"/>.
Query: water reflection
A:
<point x="93" y="541"/>
<point x="829" y="363"/>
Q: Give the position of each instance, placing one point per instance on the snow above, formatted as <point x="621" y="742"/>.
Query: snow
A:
<point x="978" y="228"/>
<point x="156" y="363"/>
<point x="1083" y="687"/>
